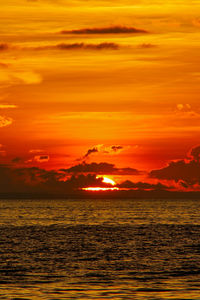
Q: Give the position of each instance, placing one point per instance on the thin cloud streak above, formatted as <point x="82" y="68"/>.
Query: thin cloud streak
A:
<point x="63" y="46"/>
<point x="5" y="106"/>
<point x="105" y="30"/>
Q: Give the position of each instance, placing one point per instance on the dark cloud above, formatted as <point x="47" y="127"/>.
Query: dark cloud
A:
<point x="82" y="181"/>
<point x="102" y="149"/>
<point x="35" y="180"/>
<point x="90" y="151"/>
<point x="4" y="46"/>
<point x="116" y="148"/>
<point x="77" y="46"/>
<point x="143" y="185"/>
<point x="97" y="168"/>
<point x="16" y="160"/>
<point x="41" y="158"/>
<point x="105" y="30"/>
<point x="63" y="46"/>
<point x="32" y="180"/>
<point x="147" y="46"/>
<point x="186" y="172"/>
<point x="195" y="153"/>
<point x="101" y="168"/>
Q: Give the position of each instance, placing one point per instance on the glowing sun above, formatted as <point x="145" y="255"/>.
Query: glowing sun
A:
<point x="107" y="180"/>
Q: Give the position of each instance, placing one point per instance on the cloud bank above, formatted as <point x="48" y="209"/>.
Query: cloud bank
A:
<point x="101" y="168"/>
<point x="185" y="171"/>
<point x="35" y="180"/>
<point x="143" y="185"/>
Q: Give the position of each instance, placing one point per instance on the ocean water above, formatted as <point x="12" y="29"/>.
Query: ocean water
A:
<point x="100" y="249"/>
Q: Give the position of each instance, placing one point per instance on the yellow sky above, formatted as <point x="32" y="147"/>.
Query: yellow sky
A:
<point x="64" y="93"/>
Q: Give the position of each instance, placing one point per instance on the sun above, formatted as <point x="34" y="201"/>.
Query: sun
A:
<point x="100" y="189"/>
<point x="107" y="180"/>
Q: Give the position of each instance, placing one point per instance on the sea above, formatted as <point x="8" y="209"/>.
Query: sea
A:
<point x="141" y="249"/>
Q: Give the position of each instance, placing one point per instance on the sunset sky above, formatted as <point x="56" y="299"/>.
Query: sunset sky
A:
<point x="113" y="82"/>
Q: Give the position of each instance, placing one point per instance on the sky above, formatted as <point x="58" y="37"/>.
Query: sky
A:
<point x="93" y="82"/>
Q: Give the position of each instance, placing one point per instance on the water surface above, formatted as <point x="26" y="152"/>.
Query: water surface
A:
<point x="100" y="249"/>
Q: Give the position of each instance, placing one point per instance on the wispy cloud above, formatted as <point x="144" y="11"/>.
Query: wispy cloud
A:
<point x="62" y="46"/>
<point x="105" y="30"/>
<point x="36" y="150"/>
<point x="41" y="158"/>
<point x="28" y="77"/>
<point x="113" y="149"/>
<point x="4" y="65"/>
<point x="5" y="106"/>
<point x="5" y="121"/>
<point x="12" y="76"/>
<point x="147" y="46"/>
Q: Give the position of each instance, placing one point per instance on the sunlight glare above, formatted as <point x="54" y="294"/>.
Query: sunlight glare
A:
<point x="107" y="180"/>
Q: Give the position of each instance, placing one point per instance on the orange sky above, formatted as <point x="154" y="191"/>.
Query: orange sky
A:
<point x="77" y="74"/>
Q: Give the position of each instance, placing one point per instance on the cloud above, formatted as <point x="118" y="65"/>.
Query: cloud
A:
<point x="2" y="153"/>
<point x="183" y="107"/>
<point x="4" y="46"/>
<point x="16" y="160"/>
<point x="143" y="185"/>
<point x="3" y="65"/>
<point x="114" y="149"/>
<point x="196" y="22"/>
<point x="185" y="171"/>
<point x="90" y="151"/>
<point x="5" y="121"/>
<point x="34" y="175"/>
<point x="38" y="158"/>
<point x="147" y="46"/>
<point x="39" y="181"/>
<point x="101" y="168"/>
<point x="195" y="153"/>
<point x="28" y="77"/>
<point x="41" y="158"/>
<point x="105" y="30"/>
<point x="36" y="151"/>
<point x="12" y="76"/>
<point x="82" y="181"/>
<point x="64" y="46"/>
<point x="5" y="106"/>
<point x="100" y="46"/>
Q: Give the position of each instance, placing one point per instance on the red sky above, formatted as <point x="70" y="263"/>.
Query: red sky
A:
<point x="78" y="75"/>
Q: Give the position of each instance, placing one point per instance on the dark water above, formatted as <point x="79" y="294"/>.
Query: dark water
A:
<point x="100" y="249"/>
